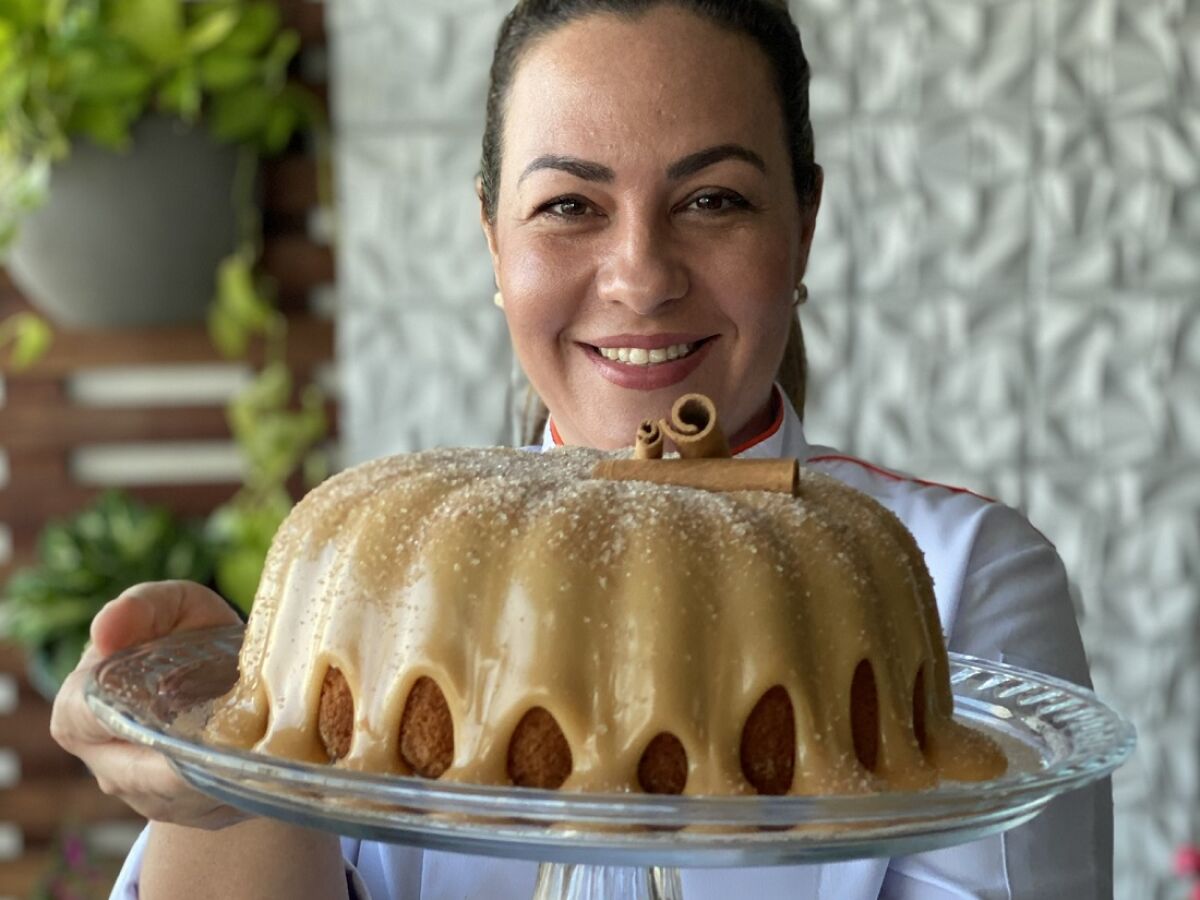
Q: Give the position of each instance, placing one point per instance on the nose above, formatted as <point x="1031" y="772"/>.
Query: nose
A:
<point x="643" y="268"/>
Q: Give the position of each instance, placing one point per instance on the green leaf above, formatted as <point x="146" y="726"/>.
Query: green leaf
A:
<point x="222" y="71"/>
<point x="25" y="14"/>
<point x="107" y="124"/>
<point x="226" y="332"/>
<point x="285" y="47"/>
<point x="154" y="27"/>
<point x="240" y="310"/>
<point x="254" y="29"/>
<point x="212" y="27"/>
<point x="29" y="336"/>
<point x="181" y="93"/>
<point x="113" y="81"/>
<point x="238" y="574"/>
<point x="282" y="122"/>
<point x="240" y="116"/>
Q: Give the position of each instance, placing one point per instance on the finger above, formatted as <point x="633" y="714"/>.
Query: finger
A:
<point x="146" y="781"/>
<point x="72" y="723"/>
<point x="152" y="610"/>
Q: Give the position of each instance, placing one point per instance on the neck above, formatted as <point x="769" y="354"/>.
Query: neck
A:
<point x="759" y="422"/>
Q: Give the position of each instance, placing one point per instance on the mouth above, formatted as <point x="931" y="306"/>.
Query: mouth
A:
<point x="648" y="363"/>
<point x="645" y="356"/>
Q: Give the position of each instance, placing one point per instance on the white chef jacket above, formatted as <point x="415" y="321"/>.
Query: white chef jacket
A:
<point x="1001" y="594"/>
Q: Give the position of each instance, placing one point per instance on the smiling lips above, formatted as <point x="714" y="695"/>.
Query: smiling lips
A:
<point x="641" y="362"/>
<point x="640" y="356"/>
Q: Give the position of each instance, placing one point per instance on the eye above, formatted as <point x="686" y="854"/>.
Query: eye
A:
<point x="565" y="208"/>
<point x="719" y="202"/>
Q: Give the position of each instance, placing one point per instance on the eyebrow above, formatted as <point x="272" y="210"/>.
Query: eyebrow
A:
<point x="702" y="159"/>
<point x="689" y="165"/>
<point x="580" y="168"/>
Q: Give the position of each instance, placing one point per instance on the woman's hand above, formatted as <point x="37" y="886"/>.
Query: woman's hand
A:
<point x="139" y="776"/>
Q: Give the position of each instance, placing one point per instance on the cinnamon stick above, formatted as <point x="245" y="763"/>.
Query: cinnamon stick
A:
<point x="649" y="441"/>
<point x="694" y="430"/>
<point x="779" y="475"/>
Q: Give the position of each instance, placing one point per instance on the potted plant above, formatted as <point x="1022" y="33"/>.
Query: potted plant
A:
<point x="84" y="562"/>
<point x="127" y="127"/>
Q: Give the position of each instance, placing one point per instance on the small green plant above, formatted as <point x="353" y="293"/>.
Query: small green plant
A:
<point x="278" y="428"/>
<point x="73" y="69"/>
<point x="25" y="338"/>
<point x="84" y="562"/>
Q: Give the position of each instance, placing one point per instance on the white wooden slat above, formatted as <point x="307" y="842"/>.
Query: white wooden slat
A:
<point x="8" y="694"/>
<point x="193" y="462"/>
<point x="10" y="768"/>
<point x="190" y="385"/>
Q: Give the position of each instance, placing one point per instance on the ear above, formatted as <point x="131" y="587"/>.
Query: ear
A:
<point x="489" y="230"/>
<point x="808" y="221"/>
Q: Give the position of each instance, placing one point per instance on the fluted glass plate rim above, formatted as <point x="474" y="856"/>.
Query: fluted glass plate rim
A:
<point x="1076" y="738"/>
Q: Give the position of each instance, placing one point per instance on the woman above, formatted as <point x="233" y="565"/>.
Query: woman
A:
<point x="649" y="195"/>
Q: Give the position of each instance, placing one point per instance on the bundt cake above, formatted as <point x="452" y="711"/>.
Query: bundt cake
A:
<point x="556" y="620"/>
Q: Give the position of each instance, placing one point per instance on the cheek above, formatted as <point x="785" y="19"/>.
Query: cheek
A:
<point x="543" y="290"/>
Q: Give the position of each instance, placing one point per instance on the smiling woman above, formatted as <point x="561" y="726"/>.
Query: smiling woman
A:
<point x="649" y="193"/>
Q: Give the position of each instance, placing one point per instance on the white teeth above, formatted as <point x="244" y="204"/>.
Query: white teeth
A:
<point x="637" y="356"/>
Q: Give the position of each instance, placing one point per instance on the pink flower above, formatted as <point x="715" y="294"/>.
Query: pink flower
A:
<point x="1187" y="863"/>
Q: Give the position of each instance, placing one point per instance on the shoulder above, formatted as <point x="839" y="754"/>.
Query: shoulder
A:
<point x="931" y="506"/>
<point x="974" y="546"/>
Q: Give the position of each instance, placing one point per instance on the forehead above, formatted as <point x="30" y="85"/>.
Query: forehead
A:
<point x="664" y="83"/>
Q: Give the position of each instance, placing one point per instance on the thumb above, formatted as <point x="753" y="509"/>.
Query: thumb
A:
<point x="155" y="609"/>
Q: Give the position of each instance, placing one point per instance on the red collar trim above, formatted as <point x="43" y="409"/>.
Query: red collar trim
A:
<point x="740" y="448"/>
<point x="771" y="429"/>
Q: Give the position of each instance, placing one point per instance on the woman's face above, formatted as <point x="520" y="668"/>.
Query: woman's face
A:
<point x="647" y="237"/>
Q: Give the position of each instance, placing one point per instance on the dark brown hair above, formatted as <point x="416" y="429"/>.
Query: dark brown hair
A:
<point x="766" y="22"/>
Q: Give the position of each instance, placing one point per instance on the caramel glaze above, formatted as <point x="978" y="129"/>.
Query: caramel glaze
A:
<point x="626" y="610"/>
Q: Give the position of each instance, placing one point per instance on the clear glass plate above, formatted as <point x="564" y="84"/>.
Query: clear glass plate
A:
<point x="1059" y="737"/>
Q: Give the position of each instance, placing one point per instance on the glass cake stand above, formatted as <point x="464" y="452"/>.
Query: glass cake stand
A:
<point x="1058" y="737"/>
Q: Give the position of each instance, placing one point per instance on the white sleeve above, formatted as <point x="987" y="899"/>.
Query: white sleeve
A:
<point x="126" y="885"/>
<point x="1016" y="607"/>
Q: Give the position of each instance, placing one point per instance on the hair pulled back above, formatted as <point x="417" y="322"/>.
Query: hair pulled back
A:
<point x="767" y="22"/>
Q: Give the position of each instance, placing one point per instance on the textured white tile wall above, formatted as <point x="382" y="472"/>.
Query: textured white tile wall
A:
<point x="1005" y="294"/>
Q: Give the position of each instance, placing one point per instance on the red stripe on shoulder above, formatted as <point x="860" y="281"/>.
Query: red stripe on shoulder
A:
<point x="771" y="429"/>
<point x="836" y="457"/>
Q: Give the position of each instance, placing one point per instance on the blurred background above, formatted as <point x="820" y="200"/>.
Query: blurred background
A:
<point x="1005" y="295"/>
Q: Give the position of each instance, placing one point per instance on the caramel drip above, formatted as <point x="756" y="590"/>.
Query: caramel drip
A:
<point x="625" y="610"/>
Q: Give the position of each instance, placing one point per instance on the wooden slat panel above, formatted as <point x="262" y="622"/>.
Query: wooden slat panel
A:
<point x="307" y="17"/>
<point x="19" y="877"/>
<point x="25" y="430"/>
<point x="290" y="184"/>
<point x="35" y="392"/>
<point x="297" y="264"/>
<point x="41" y="805"/>
<point x="12" y="659"/>
<point x="30" y="429"/>
<point x="25" y="506"/>
<point x="44" y="469"/>
<point x="26" y="731"/>
<point x="24" y="553"/>
<point x="310" y="341"/>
